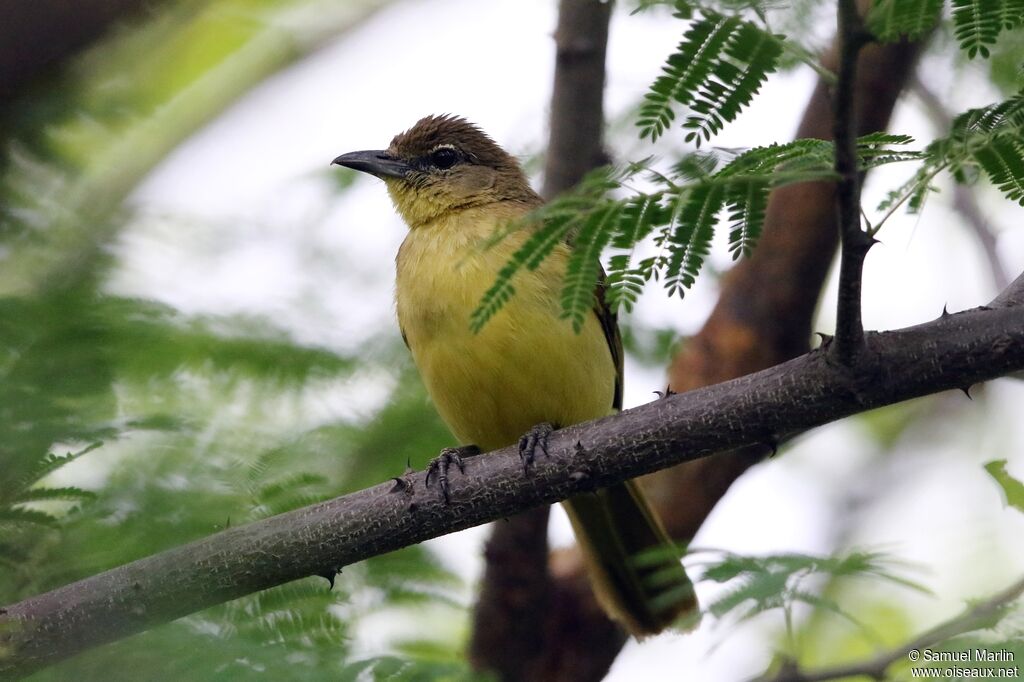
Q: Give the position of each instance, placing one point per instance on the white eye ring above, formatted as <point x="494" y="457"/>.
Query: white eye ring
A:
<point x="444" y="156"/>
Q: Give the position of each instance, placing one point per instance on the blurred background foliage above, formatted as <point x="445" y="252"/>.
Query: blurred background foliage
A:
<point x="128" y="427"/>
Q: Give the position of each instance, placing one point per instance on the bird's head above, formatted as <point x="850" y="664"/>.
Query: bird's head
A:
<point x="443" y="164"/>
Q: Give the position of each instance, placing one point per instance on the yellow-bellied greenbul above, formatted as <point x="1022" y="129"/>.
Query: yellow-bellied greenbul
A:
<point x="454" y="187"/>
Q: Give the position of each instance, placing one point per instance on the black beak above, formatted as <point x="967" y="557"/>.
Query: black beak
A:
<point x="374" y="162"/>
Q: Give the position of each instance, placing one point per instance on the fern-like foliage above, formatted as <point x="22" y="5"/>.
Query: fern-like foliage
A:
<point x="780" y="582"/>
<point x="986" y="139"/>
<point x="977" y="23"/>
<point x="687" y="241"/>
<point x="530" y="255"/>
<point x="637" y="219"/>
<point x="585" y="262"/>
<point x="716" y="70"/>
<point x="29" y="488"/>
<point x="750" y="55"/>
<point x="680" y="214"/>
<point x="891" y="20"/>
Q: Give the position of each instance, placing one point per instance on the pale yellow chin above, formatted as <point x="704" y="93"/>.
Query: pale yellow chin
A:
<point x="417" y="207"/>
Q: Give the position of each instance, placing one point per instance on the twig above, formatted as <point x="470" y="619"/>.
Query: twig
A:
<point x="964" y="200"/>
<point x="972" y="618"/>
<point x="855" y="242"/>
<point x="949" y="352"/>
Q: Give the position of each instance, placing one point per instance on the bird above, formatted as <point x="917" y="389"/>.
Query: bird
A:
<point x="527" y="370"/>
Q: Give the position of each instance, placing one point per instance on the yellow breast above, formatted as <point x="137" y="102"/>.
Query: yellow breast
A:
<point x="526" y="365"/>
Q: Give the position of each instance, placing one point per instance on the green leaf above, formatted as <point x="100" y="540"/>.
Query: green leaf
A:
<point x="1013" y="490"/>
<point x="45" y="466"/>
<point x="637" y="219"/>
<point x="684" y="72"/>
<point x="18" y="515"/>
<point x="581" y="276"/>
<point x="874" y="150"/>
<point x="66" y="493"/>
<point x="987" y="138"/>
<point x="623" y="284"/>
<point x="891" y="20"/>
<point x="752" y="54"/>
<point x="1001" y="159"/>
<point x="747" y="202"/>
<point x="977" y="23"/>
<point x="716" y="70"/>
<point x="530" y="255"/>
<point x="758" y="584"/>
<point x="688" y="241"/>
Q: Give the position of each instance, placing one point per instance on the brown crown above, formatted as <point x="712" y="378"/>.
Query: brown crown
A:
<point x="431" y="132"/>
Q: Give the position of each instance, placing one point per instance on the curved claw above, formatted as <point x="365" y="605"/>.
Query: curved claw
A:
<point x="536" y="437"/>
<point x="438" y="468"/>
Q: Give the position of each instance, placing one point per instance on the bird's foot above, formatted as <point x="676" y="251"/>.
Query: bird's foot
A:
<point x="439" y="466"/>
<point x="533" y="440"/>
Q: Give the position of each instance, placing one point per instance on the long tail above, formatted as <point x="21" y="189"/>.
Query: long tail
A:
<point x="613" y="527"/>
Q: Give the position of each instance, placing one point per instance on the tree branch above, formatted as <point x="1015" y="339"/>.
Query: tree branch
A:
<point x="1012" y="295"/>
<point x="950" y="352"/>
<point x="849" y="339"/>
<point x="972" y="618"/>
<point x="577" y="100"/>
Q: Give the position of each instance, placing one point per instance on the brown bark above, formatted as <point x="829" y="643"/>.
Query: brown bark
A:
<point x="575" y="146"/>
<point x="509" y="632"/>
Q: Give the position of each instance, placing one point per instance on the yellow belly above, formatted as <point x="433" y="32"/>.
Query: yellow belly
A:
<point x="524" y="367"/>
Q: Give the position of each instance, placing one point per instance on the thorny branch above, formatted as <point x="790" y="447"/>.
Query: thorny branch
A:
<point x="855" y="242"/>
<point x="949" y="352"/>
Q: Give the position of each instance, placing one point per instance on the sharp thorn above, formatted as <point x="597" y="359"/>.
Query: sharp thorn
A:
<point x="328" y="575"/>
<point x="967" y="392"/>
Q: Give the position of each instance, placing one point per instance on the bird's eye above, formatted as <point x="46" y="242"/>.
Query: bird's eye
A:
<point x="444" y="158"/>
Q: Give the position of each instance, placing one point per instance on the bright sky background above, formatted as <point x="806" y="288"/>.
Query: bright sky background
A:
<point x="243" y="219"/>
